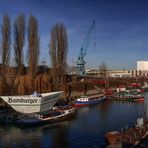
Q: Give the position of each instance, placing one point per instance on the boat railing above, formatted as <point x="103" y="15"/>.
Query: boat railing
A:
<point x="32" y="116"/>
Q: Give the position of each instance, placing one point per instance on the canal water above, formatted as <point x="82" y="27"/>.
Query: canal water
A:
<point x="86" y="129"/>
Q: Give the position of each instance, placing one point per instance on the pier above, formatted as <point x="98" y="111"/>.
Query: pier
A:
<point x="133" y="136"/>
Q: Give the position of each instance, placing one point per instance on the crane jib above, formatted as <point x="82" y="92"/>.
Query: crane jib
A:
<point x="83" y="51"/>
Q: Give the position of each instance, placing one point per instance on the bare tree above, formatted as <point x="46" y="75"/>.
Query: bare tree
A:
<point x="104" y="73"/>
<point x="103" y="70"/>
<point x="33" y="45"/>
<point x="58" y="49"/>
<point x="6" y="42"/>
<point x="19" y="39"/>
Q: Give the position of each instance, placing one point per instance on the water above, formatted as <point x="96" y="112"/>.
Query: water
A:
<point x="86" y="129"/>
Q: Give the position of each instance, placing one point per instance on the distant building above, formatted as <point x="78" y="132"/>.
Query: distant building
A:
<point x="139" y="73"/>
<point x="142" y="65"/>
<point x="119" y="73"/>
<point x="111" y="73"/>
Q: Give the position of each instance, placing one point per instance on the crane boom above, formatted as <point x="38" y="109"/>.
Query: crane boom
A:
<point x="83" y="51"/>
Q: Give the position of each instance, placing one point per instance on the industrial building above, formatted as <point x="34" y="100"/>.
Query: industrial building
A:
<point x="142" y="65"/>
<point x="120" y="73"/>
<point x="111" y="73"/>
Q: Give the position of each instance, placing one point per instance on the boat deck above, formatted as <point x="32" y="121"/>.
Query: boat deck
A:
<point x="95" y="96"/>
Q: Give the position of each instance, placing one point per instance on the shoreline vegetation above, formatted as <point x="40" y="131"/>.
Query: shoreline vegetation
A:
<point x="26" y="84"/>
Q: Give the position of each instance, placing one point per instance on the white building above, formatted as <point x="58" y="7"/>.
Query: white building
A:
<point x="119" y="73"/>
<point x="142" y="65"/>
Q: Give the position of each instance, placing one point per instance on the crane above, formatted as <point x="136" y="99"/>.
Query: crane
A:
<point x="83" y="51"/>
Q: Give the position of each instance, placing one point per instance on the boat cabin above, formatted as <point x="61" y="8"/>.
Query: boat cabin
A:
<point x="83" y="99"/>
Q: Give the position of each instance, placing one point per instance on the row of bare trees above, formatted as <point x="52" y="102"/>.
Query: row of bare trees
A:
<point x="12" y="50"/>
<point x="19" y="33"/>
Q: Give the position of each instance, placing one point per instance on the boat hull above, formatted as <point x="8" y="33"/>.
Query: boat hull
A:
<point x="90" y="102"/>
<point x="141" y="99"/>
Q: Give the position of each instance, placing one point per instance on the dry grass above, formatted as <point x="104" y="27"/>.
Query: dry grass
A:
<point x="22" y="85"/>
<point x="26" y="84"/>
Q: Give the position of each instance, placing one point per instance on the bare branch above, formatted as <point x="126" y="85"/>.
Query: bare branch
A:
<point x="19" y="39"/>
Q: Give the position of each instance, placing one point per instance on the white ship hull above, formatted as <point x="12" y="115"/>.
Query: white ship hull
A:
<point x="32" y="104"/>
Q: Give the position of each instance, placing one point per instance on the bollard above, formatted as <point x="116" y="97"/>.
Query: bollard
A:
<point x="126" y="127"/>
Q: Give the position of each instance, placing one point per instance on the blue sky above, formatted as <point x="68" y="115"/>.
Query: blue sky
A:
<point x="121" y="33"/>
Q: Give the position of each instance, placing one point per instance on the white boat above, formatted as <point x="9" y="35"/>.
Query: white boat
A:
<point x="32" y="103"/>
<point x="145" y="86"/>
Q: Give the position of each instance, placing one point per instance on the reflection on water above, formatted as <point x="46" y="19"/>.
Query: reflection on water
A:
<point x="14" y="136"/>
<point x="86" y="129"/>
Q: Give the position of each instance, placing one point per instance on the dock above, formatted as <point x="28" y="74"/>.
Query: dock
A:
<point x="133" y="136"/>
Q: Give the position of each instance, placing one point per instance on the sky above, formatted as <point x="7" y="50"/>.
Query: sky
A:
<point x="120" y="35"/>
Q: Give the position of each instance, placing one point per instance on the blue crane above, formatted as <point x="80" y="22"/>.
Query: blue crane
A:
<point x="83" y="51"/>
